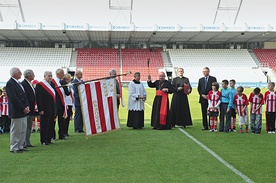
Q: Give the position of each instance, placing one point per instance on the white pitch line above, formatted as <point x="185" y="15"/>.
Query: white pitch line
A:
<point x="244" y="177"/>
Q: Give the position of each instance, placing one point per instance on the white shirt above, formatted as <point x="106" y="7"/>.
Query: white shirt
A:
<point x="134" y="91"/>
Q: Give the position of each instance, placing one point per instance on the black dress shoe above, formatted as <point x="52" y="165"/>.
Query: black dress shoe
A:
<point x="24" y="149"/>
<point x="204" y="129"/>
<point x="30" y="145"/>
<point x="45" y="143"/>
<point x="16" y="151"/>
<point x="62" y="138"/>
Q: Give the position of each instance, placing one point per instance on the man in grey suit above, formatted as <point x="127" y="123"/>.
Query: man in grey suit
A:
<point x="18" y="110"/>
<point x="78" y="122"/>
<point x="30" y="92"/>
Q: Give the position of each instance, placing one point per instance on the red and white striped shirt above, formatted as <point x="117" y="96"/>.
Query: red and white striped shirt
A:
<point x="240" y="102"/>
<point x="4" y="105"/>
<point x="214" y="100"/>
<point x="256" y="101"/>
<point x="270" y="100"/>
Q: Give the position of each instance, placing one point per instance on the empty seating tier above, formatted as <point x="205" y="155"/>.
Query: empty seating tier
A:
<point x="224" y="64"/>
<point x="136" y="60"/>
<point x="37" y="57"/>
<point x="97" y="63"/>
<point x="267" y="57"/>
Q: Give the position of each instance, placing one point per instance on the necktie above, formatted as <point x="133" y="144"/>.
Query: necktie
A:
<point x="206" y="81"/>
<point x="21" y="86"/>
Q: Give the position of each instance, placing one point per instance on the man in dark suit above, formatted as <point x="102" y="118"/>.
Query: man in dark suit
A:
<point x="18" y="110"/>
<point x="46" y="104"/>
<point x="203" y="88"/>
<point x="78" y="123"/>
<point x="61" y="93"/>
<point x="30" y="92"/>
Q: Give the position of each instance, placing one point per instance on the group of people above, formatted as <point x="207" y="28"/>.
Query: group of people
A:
<point x="224" y="104"/>
<point x="230" y="102"/>
<point x="162" y="117"/>
<point x="52" y="100"/>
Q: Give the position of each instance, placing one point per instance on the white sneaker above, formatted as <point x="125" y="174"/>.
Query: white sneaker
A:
<point x="215" y="130"/>
<point x="269" y="132"/>
<point x="211" y="130"/>
<point x="273" y="132"/>
<point x="234" y="130"/>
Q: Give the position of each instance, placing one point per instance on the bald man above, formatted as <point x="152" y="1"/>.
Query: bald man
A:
<point x="160" y="108"/>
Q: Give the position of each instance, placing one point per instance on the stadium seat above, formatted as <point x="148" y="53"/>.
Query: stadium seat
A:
<point x="136" y="60"/>
<point x="267" y="57"/>
<point x="224" y="64"/>
<point x="97" y="63"/>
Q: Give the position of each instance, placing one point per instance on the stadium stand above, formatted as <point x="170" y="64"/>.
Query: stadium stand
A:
<point x="267" y="57"/>
<point x="223" y="63"/>
<point x="96" y="63"/>
<point x="37" y="59"/>
<point x="136" y="60"/>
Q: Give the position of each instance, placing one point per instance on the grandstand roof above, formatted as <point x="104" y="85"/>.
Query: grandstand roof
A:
<point x="132" y="33"/>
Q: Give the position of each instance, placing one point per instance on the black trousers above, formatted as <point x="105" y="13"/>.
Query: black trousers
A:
<point x="6" y="123"/>
<point x="270" y="118"/>
<point x="46" y="128"/>
<point x="61" y="123"/>
<point x="204" y="107"/>
<point x="67" y="120"/>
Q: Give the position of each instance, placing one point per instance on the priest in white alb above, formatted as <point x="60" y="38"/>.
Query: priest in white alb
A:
<point x="137" y="96"/>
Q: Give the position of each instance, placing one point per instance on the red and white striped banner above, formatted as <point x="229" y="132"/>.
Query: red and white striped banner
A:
<point x="99" y="106"/>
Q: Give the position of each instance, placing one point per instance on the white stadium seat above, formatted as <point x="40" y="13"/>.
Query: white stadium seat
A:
<point x="224" y="64"/>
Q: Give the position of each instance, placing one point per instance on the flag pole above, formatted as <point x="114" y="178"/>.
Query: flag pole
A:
<point x="148" y="66"/>
<point x="82" y="82"/>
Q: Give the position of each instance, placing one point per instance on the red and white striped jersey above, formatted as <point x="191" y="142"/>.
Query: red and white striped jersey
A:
<point x="240" y="102"/>
<point x="4" y="105"/>
<point x="270" y="100"/>
<point x="256" y="101"/>
<point x="214" y="98"/>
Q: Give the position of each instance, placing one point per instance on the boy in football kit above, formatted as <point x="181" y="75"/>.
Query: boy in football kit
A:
<point x="256" y="100"/>
<point x="6" y="121"/>
<point x="241" y="103"/>
<point x="214" y="99"/>
<point x="270" y="100"/>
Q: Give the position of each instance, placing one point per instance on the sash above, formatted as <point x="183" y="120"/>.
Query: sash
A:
<point x="163" y="107"/>
<point x="48" y="88"/>
<point x="61" y="94"/>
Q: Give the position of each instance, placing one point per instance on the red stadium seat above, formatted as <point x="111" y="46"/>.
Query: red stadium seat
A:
<point x="267" y="57"/>
<point x="136" y="60"/>
<point x="97" y="63"/>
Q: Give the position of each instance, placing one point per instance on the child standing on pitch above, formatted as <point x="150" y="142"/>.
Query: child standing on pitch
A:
<point x="241" y="103"/>
<point x="270" y="100"/>
<point x="256" y="100"/>
<point x="225" y="105"/>
<point x="233" y="113"/>
<point x="214" y="97"/>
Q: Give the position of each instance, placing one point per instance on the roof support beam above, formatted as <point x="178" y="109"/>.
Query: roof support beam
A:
<point x="221" y="8"/>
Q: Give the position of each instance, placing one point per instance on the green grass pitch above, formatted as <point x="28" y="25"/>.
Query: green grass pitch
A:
<point x="146" y="155"/>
